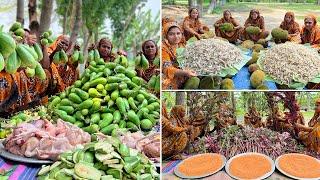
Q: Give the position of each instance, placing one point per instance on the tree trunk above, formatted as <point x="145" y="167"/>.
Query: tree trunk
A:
<point x="212" y="5"/>
<point x="318" y="2"/>
<point x="32" y="8"/>
<point x="20" y="11"/>
<point x="64" y="23"/>
<point x="46" y="13"/>
<point x="234" y="105"/>
<point x="126" y="25"/>
<point x="77" y="4"/>
<point x="180" y="98"/>
<point x="190" y="3"/>
<point x="200" y="7"/>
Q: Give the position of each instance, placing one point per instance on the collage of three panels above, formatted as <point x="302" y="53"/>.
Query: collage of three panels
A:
<point x="240" y="84"/>
<point x="151" y="89"/>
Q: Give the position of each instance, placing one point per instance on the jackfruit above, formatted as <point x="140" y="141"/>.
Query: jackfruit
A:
<point x="210" y="82"/>
<point x="247" y="44"/>
<point x="257" y="78"/>
<point x="226" y="27"/>
<point x="223" y="39"/>
<point x="227" y="84"/>
<point x="208" y="35"/>
<point x="262" y="87"/>
<point x="192" y="83"/>
<point x="263" y="42"/>
<point x="254" y="58"/>
<point x="253" y="68"/>
<point x="257" y="47"/>
<point x="253" y="30"/>
<point x="279" y="34"/>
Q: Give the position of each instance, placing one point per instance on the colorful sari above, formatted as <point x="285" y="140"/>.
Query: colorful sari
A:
<point x="231" y="36"/>
<point x="292" y="27"/>
<point x="259" y="22"/>
<point x="169" y="61"/>
<point x="311" y="36"/>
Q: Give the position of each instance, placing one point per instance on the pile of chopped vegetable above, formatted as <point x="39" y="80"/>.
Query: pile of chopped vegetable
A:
<point x="210" y="56"/>
<point x="235" y="140"/>
<point x="290" y="62"/>
<point x="109" y="159"/>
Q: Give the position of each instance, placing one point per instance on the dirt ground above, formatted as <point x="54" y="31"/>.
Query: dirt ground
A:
<point x="273" y="17"/>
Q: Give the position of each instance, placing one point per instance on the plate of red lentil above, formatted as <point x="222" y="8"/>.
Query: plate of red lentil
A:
<point x="299" y="166"/>
<point x="199" y="166"/>
<point x="250" y="166"/>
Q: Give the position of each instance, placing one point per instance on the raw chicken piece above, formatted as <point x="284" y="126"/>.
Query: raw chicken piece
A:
<point x="44" y="140"/>
<point x="30" y="146"/>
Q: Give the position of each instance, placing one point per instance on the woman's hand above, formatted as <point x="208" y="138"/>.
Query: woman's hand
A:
<point x="77" y="47"/>
<point x="237" y="27"/>
<point x="190" y="72"/>
<point x="31" y="39"/>
<point x="62" y="45"/>
<point x="91" y="47"/>
<point x="198" y="36"/>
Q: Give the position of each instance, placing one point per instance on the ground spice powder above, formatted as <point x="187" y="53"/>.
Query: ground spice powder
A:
<point x="300" y="165"/>
<point x="251" y="166"/>
<point x="201" y="165"/>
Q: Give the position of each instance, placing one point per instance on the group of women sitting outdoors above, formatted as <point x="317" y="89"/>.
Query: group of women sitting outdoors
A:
<point x="19" y="92"/>
<point x="175" y="36"/>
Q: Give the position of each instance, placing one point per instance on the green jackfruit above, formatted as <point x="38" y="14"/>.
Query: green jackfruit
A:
<point x="263" y="42"/>
<point x="227" y="27"/>
<point x="257" y="78"/>
<point x="254" y="58"/>
<point x="19" y="32"/>
<point x="30" y="72"/>
<point x="253" y="30"/>
<point x="262" y="87"/>
<point x="192" y="83"/>
<point x="15" y="26"/>
<point x="208" y="35"/>
<point x="279" y="34"/>
<point x="257" y="47"/>
<point x="210" y="82"/>
<point x="227" y="84"/>
<point x="248" y="44"/>
<point x="253" y="68"/>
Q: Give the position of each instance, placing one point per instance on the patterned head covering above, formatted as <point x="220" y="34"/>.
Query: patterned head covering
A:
<point x="313" y="17"/>
<point x="144" y="43"/>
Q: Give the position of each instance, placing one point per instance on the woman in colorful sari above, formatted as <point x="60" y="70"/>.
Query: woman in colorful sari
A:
<point x="19" y="92"/>
<point x="292" y="27"/>
<point x="310" y="33"/>
<point x="178" y="131"/>
<point x="150" y="51"/>
<point x="231" y="36"/>
<point x="105" y="50"/>
<point x="192" y="25"/>
<point x="256" y="20"/>
<point x="173" y="76"/>
<point x="64" y="75"/>
<point x="174" y="134"/>
<point x="310" y="136"/>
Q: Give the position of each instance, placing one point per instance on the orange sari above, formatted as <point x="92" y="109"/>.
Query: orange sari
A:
<point x="293" y="28"/>
<point x="169" y="61"/>
<point x="191" y="27"/>
<point x="312" y="36"/>
<point x="259" y="22"/>
<point x="64" y="75"/>
<point x="311" y="139"/>
<point x="230" y="36"/>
